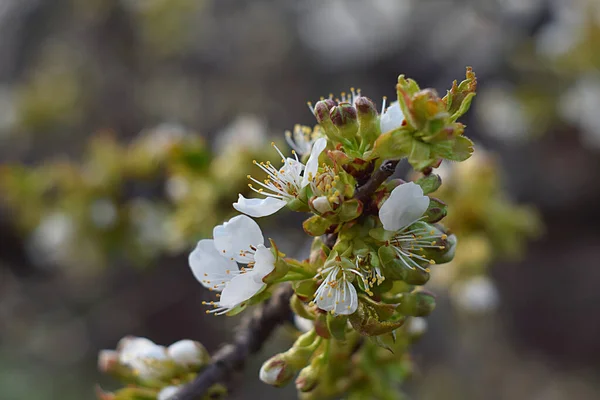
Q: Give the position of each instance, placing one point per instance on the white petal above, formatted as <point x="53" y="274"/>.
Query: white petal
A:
<point x="312" y="165"/>
<point x="236" y="238"/>
<point x="167" y="392"/>
<point x="186" y="352"/>
<point x="405" y="205"/>
<point x="392" y="118"/>
<point x="240" y="289"/>
<point x="303" y="324"/>
<point x="347" y="302"/>
<point x="264" y="262"/>
<point x="209" y="266"/>
<point x="258" y="207"/>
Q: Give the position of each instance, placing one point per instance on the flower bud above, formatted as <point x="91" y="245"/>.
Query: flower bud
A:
<point x="147" y="360"/>
<point x="324" y="119"/>
<point x="276" y="371"/>
<point x="367" y="119"/>
<point x="188" y="354"/>
<point x="345" y="119"/>
<point x="416" y="304"/>
<point x="108" y="361"/>
<point x="308" y="378"/>
<point x="321" y="204"/>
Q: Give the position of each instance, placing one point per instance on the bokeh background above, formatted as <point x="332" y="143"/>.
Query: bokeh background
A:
<point x="107" y="105"/>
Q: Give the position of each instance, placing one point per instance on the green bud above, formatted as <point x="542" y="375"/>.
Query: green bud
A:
<point x="345" y="120"/>
<point x="309" y="376"/>
<point x="368" y="120"/>
<point x="336" y="324"/>
<point x="366" y="321"/>
<point x="299" y="307"/>
<point x="323" y="118"/>
<point x="459" y="97"/>
<point x="436" y="211"/>
<point x="396" y="269"/>
<point x="350" y="209"/>
<point x="429" y="183"/>
<point x="276" y="371"/>
<point x="416" y="304"/>
<point x="305" y="289"/>
<point x="281" y="368"/>
<point x="316" y="225"/>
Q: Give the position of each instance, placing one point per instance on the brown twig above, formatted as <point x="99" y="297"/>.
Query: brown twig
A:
<point x="252" y="332"/>
<point x="365" y="191"/>
<point x="386" y="170"/>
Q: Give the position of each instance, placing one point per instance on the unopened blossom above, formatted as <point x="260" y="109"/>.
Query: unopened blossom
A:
<point x="188" y="353"/>
<point x="405" y="206"/>
<point x="283" y="184"/>
<point x="214" y="262"/>
<point x="391" y="118"/>
<point x="145" y="358"/>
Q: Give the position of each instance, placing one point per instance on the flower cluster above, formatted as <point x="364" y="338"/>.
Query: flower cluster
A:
<point x="359" y="292"/>
<point x="374" y="241"/>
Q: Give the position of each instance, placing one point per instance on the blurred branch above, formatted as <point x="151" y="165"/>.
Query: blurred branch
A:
<point x="253" y="331"/>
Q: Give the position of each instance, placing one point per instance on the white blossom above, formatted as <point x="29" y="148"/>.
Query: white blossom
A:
<point x="167" y="392"/>
<point x="301" y="139"/>
<point x="336" y="293"/>
<point x="145" y="358"/>
<point x="405" y="206"/>
<point x="391" y="118"/>
<point x="213" y="262"/>
<point x="283" y="184"/>
<point x="187" y="353"/>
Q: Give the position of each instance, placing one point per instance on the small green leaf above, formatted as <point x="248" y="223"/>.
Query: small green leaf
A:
<point x="429" y="183"/>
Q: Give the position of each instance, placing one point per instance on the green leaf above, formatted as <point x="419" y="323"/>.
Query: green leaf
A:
<point x="436" y="211"/>
<point x="461" y="150"/>
<point x="316" y="225"/>
<point x="429" y="183"/>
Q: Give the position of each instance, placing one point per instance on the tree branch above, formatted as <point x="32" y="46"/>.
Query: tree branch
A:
<point x="386" y="170"/>
<point x="365" y="191"/>
<point x="252" y="332"/>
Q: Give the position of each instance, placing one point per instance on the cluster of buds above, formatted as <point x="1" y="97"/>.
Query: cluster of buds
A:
<point x="374" y="242"/>
<point x="152" y="371"/>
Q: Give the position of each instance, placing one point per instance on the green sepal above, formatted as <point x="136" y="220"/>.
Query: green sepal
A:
<point x="436" y="211"/>
<point x="337" y="326"/>
<point x="405" y="90"/>
<point x="394" y="144"/>
<point x="318" y="253"/>
<point x="367" y="322"/>
<point x="385" y="341"/>
<point x="299" y="307"/>
<point x="350" y="209"/>
<point x="429" y="183"/>
<point x="316" y="225"/>
<point x="420" y="155"/>
<point x="392" y="267"/>
<point x="321" y="327"/>
<point x="381" y="234"/>
<point x="416" y="304"/>
<point x="442" y="256"/>
<point x="281" y="266"/>
<point x="305" y="289"/>
<point x="296" y="204"/>
<point x="459" y="97"/>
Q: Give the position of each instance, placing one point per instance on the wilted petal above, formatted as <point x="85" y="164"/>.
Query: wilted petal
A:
<point x="209" y="266"/>
<point x="259" y="207"/>
<point x="240" y="289"/>
<point x="392" y="118"/>
<point x="405" y="205"/>
<point x="312" y="165"/>
<point x="237" y="238"/>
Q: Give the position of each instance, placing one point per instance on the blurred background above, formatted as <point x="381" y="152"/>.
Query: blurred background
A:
<point x="127" y="128"/>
